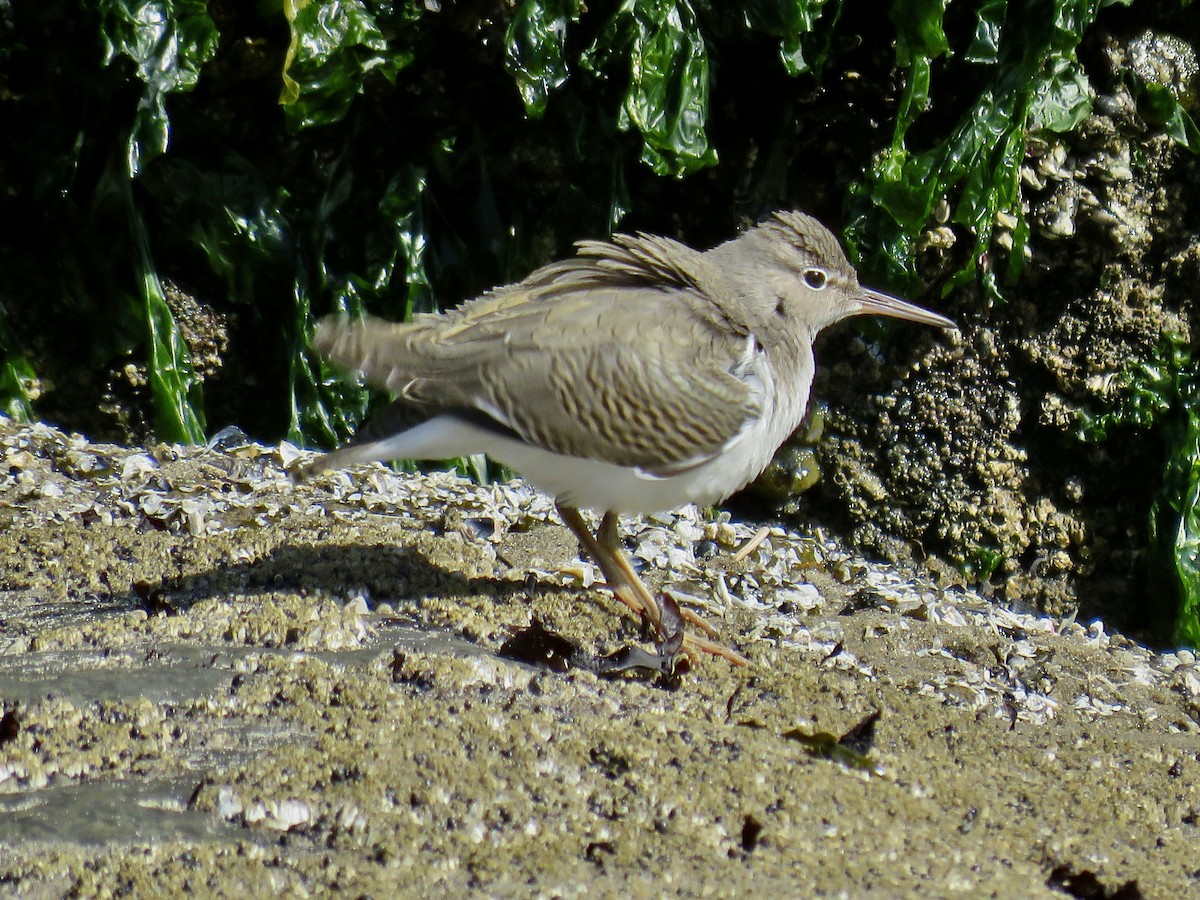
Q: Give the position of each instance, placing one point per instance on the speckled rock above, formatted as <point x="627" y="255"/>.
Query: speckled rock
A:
<point x="970" y="452"/>
<point x="216" y="681"/>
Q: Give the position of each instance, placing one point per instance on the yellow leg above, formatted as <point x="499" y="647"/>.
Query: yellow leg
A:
<point x="637" y="600"/>
<point x="611" y="542"/>
<point x="605" y="548"/>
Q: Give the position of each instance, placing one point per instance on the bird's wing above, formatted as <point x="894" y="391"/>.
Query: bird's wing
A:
<point x="625" y="354"/>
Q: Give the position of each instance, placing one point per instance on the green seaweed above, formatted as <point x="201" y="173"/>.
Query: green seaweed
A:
<point x="274" y="254"/>
<point x="285" y="251"/>
<point x="982" y="562"/>
<point x="1033" y="83"/>
<point x="168" y="41"/>
<point x="667" y="99"/>
<point x="1175" y="518"/>
<point x="178" y="396"/>
<point x="17" y="376"/>
<point x="535" y="49"/>
<point x="334" y="46"/>
<point x="1159" y="106"/>
<point x="793" y="22"/>
<point x="1162" y="394"/>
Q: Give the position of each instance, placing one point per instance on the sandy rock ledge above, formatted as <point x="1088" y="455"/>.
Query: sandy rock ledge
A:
<point x="214" y="679"/>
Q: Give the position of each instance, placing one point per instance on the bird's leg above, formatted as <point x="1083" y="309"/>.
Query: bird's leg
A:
<point x="622" y="588"/>
<point x="611" y="541"/>
<point x="605" y="548"/>
<point x="608" y="538"/>
<point x="610" y="544"/>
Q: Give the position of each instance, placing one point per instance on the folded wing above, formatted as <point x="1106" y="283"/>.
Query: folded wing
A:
<point x="623" y="354"/>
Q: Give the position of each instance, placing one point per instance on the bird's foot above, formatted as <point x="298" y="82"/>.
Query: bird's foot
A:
<point x="694" y="618"/>
<point x="693" y="645"/>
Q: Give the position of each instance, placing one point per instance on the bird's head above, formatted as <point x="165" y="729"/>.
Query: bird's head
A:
<point x="805" y="271"/>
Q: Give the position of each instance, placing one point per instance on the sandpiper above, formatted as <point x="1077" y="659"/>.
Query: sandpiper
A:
<point x="637" y="376"/>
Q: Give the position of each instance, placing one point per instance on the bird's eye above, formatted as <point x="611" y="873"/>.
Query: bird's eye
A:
<point x="816" y="279"/>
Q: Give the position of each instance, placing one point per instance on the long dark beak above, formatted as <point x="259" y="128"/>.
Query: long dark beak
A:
<point x="875" y="303"/>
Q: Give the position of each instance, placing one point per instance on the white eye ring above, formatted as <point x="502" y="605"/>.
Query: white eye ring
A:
<point x="816" y="279"/>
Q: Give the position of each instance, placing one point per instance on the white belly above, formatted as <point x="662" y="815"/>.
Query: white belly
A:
<point x="590" y="483"/>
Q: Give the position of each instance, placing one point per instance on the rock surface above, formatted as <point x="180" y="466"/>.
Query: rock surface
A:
<point x="216" y="680"/>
